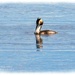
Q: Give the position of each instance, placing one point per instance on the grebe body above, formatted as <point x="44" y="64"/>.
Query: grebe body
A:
<point x="47" y="32"/>
<point x="39" y="23"/>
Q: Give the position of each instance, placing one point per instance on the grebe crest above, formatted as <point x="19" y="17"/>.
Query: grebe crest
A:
<point x="39" y="23"/>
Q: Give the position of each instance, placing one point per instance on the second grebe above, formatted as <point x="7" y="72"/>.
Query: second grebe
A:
<point x="39" y="23"/>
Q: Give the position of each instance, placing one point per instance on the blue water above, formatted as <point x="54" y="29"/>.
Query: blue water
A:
<point x="19" y="51"/>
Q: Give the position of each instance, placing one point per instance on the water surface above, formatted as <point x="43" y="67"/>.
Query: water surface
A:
<point x="19" y="51"/>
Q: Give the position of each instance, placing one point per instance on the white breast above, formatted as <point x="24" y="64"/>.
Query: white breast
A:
<point x="38" y="29"/>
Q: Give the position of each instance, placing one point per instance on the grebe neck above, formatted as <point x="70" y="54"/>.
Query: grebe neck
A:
<point x="38" y="29"/>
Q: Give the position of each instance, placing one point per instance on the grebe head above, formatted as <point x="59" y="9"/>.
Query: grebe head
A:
<point x="39" y="23"/>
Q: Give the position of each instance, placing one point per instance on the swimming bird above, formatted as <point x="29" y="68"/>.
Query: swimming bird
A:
<point x="39" y="24"/>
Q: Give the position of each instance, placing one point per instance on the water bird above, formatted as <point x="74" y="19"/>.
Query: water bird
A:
<point x="39" y="24"/>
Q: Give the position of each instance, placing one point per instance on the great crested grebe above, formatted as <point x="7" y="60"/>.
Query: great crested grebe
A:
<point x="39" y="23"/>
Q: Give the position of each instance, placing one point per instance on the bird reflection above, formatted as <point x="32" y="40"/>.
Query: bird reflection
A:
<point x="39" y="41"/>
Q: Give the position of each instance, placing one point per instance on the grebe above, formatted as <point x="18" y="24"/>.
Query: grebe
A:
<point x="39" y="23"/>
